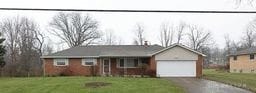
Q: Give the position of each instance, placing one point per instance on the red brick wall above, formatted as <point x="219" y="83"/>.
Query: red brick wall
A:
<point x="74" y="68"/>
<point x="199" y="66"/>
<point x="152" y="67"/>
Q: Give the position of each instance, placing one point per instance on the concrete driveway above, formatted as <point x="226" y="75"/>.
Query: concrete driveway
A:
<point x="195" y="85"/>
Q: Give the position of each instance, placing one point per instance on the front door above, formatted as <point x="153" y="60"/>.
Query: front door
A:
<point x="106" y="66"/>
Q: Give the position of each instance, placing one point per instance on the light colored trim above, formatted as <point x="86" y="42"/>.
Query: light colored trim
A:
<point x="84" y="60"/>
<point x="69" y="56"/>
<point x="109" y="68"/>
<point x="182" y="46"/>
<point x="101" y="67"/>
<point x="56" y="60"/>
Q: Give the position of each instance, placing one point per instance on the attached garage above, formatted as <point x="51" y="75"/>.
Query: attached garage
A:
<point x="176" y="68"/>
<point x="178" y="61"/>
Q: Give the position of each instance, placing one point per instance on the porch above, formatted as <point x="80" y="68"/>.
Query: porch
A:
<point x="124" y="66"/>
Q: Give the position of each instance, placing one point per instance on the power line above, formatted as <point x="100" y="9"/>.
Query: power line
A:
<point x="145" y="11"/>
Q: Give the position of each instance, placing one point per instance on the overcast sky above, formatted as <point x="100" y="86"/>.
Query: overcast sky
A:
<point x="123" y="23"/>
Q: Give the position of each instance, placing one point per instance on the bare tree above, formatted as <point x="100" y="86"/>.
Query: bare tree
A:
<point x="245" y="2"/>
<point x="109" y="38"/>
<point x="47" y="48"/>
<point x="11" y="29"/>
<point x="198" y="37"/>
<point x="120" y="41"/>
<point x="139" y="33"/>
<point x="180" y="31"/>
<point x="74" y="28"/>
<point x="249" y="36"/>
<point x="23" y="45"/>
<point x="227" y="43"/>
<point x="2" y="53"/>
<point x="166" y="34"/>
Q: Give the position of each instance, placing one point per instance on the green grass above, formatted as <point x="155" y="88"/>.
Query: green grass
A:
<point x="243" y="80"/>
<point x="76" y="85"/>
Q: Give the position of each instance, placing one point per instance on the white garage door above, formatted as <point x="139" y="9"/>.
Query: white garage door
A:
<point x="176" y="68"/>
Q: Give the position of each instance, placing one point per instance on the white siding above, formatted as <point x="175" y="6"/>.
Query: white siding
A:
<point x="176" y="53"/>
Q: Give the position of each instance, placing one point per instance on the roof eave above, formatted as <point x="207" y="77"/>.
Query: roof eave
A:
<point x="69" y="56"/>
<point x="123" y="56"/>
<point x="179" y="46"/>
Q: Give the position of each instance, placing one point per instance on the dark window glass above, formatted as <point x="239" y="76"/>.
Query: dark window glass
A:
<point x="136" y="62"/>
<point x="88" y="63"/>
<point x="121" y="62"/>
<point x="251" y="56"/>
<point x="235" y="57"/>
<point x="61" y="63"/>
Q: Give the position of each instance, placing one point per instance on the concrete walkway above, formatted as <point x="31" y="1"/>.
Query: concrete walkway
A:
<point x="195" y="85"/>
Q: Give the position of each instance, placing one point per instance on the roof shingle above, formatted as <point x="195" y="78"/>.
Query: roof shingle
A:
<point x="107" y="51"/>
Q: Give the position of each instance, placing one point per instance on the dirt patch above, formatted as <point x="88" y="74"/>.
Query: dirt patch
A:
<point x="96" y="84"/>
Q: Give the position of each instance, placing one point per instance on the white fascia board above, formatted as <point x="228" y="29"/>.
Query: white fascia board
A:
<point x="179" y="46"/>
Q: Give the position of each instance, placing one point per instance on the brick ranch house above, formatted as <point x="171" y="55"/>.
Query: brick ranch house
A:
<point x="243" y="61"/>
<point x="174" y="61"/>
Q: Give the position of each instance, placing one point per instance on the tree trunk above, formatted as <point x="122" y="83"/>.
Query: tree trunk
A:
<point x="1" y="72"/>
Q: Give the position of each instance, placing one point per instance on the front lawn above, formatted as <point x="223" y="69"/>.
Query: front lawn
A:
<point x="77" y="85"/>
<point x="243" y="80"/>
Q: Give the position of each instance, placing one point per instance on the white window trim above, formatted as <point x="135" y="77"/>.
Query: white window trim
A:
<point x="125" y="61"/>
<point x="57" y="59"/>
<point x="85" y="60"/>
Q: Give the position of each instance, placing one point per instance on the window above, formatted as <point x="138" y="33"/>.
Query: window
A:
<point x="60" y="62"/>
<point x="128" y="63"/>
<point x="235" y="58"/>
<point x="88" y="61"/>
<point x="121" y="62"/>
<point x="251" y="56"/>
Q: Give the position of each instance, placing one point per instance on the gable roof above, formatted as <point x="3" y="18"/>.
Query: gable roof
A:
<point x="182" y="46"/>
<point x="251" y="50"/>
<point x="106" y="51"/>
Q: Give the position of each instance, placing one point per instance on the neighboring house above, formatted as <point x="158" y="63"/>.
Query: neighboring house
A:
<point x="243" y="61"/>
<point x="174" y="61"/>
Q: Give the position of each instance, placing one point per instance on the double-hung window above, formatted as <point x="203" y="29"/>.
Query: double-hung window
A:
<point x="88" y="62"/>
<point x="60" y="62"/>
<point x="128" y="62"/>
